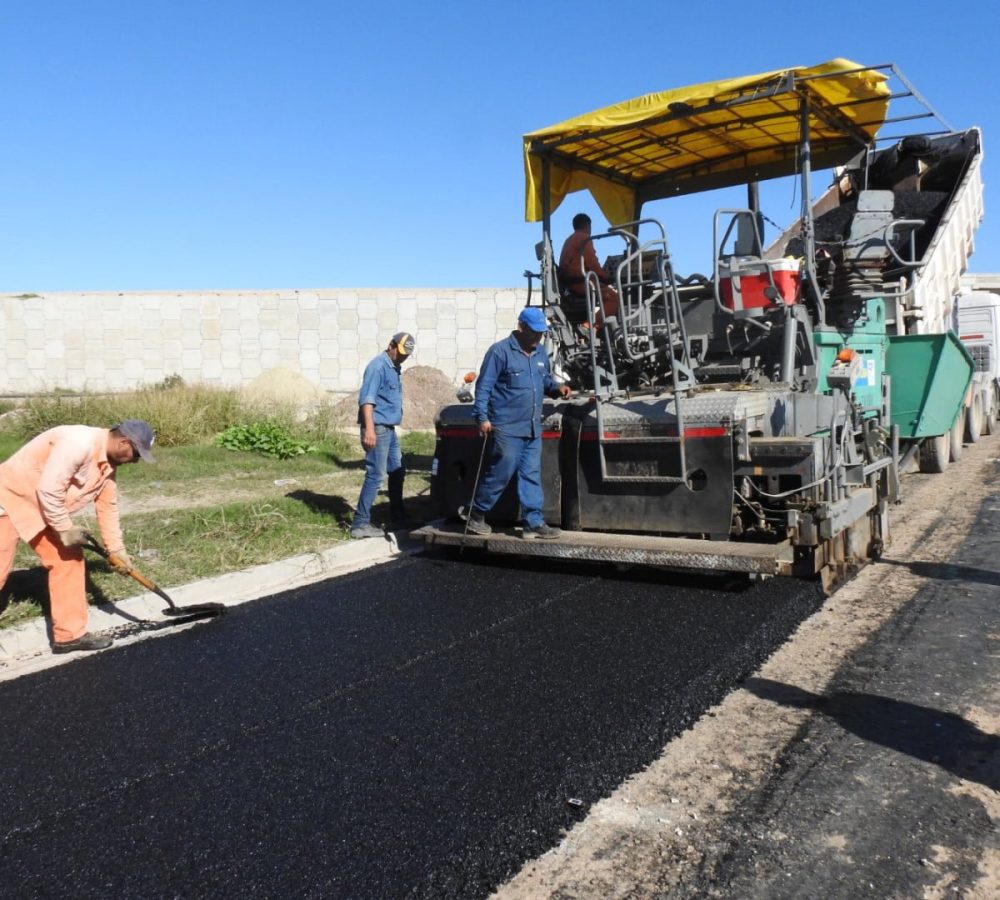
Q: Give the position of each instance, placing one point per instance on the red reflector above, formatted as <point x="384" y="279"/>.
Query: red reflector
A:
<point x="550" y="435"/>
<point x="973" y="337"/>
<point x="592" y="435"/>
<point x="705" y="432"/>
<point x="453" y="431"/>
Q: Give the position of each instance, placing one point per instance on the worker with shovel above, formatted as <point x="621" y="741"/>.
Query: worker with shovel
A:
<point x="51" y="477"/>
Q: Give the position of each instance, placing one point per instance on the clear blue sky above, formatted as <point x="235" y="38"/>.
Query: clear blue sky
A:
<point x="211" y="144"/>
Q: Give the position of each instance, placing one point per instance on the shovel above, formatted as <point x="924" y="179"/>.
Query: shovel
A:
<point x="196" y="610"/>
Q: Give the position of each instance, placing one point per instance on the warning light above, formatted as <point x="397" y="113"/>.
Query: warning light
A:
<point x="469" y="377"/>
<point x="846" y="355"/>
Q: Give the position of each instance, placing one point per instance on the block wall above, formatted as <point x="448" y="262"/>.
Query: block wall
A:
<point x="117" y="341"/>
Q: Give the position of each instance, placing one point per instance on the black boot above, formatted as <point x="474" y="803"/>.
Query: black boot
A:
<point x="397" y="510"/>
<point x="85" y="642"/>
<point x="476" y="522"/>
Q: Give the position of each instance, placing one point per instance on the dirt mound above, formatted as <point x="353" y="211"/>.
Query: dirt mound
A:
<point x="283" y="386"/>
<point x="425" y="391"/>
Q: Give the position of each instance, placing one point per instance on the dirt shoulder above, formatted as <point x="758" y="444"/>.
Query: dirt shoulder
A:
<point x="862" y="760"/>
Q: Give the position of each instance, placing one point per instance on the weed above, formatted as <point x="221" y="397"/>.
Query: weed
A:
<point x="268" y="438"/>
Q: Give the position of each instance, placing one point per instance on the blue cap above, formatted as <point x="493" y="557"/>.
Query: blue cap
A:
<point x="140" y="434"/>
<point x="534" y="319"/>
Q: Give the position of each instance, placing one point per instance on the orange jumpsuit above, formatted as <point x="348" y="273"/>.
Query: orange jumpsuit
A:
<point x="53" y="475"/>
<point x="579" y="245"/>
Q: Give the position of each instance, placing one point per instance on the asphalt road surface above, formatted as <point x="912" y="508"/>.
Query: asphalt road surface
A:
<point x="417" y="730"/>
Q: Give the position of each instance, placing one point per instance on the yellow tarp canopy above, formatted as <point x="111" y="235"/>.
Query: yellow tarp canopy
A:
<point x="704" y="136"/>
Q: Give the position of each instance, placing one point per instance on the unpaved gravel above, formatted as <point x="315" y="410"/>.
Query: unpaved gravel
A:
<point x="669" y="828"/>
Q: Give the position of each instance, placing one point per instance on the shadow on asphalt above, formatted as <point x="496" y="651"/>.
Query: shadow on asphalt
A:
<point x="927" y="734"/>
<point x="946" y="571"/>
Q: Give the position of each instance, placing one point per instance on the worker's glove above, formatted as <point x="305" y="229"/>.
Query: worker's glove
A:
<point x="72" y="537"/>
<point x="120" y="561"/>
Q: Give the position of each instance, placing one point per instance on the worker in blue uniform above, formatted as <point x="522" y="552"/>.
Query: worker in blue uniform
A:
<point x="515" y="375"/>
<point x="380" y="410"/>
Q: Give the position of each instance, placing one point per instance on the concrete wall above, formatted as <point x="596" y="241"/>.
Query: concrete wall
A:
<point x="117" y="341"/>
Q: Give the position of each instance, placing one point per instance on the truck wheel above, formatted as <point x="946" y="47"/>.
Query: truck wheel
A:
<point x="956" y="434"/>
<point x="935" y="453"/>
<point x="974" y="419"/>
<point x="990" y="417"/>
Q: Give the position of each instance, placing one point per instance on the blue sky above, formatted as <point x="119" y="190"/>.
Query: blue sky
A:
<point x="220" y="145"/>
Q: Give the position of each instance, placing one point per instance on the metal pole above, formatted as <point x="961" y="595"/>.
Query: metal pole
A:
<point x="753" y="204"/>
<point x="808" y="235"/>
<point x="475" y="487"/>
<point x="546" y="203"/>
<point x="805" y="171"/>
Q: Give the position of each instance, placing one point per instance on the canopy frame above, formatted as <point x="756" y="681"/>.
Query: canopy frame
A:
<point x="627" y="156"/>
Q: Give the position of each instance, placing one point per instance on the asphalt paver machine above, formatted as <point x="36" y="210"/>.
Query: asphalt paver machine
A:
<point x="741" y="419"/>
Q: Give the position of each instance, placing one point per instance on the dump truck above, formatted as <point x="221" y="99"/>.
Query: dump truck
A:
<point x="753" y="418"/>
<point x="977" y="323"/>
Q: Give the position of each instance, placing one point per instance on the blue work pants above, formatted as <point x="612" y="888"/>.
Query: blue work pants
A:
<point x="507" y="456"/>
<point x="384" y="457"/>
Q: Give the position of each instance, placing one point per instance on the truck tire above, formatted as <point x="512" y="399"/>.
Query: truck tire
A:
<point x="990" y="416"/>
<point x="935" y="453"/>
<point x="956" y="434"/>
<point x="974" y="419"/>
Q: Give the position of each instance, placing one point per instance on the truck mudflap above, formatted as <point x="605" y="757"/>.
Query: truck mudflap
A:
<point x="647" y="550"/>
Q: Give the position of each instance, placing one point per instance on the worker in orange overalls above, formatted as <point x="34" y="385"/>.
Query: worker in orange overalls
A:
<point x="41" y="485"/>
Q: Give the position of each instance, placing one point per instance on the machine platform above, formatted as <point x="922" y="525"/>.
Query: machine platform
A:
<point x="674" y="553"/>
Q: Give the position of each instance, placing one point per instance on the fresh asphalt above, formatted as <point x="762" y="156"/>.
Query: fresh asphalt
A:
<point x="883" y="769"/>
<point x="416" y="730"/>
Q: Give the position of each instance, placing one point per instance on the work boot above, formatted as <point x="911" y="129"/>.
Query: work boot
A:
<point x="543" y="532"/>
<point x="86" y="641"/>
<point x="396" y="479"/>
<point x="475" y="521"/>
<point x="359" y="532"/>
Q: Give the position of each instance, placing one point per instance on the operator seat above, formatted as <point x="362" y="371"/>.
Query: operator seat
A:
<point x="573" y="306"/>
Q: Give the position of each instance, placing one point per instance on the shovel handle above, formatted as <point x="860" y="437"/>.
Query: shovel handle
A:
<point x="91" y="543"/>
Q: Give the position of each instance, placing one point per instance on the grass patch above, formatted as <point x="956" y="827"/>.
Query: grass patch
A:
<point x="203" y="509"/>
<point x="179" y="413"/>
<point x="187" y="545"/>
<point x="418" y="443"/>
<point x="201" y="543"/>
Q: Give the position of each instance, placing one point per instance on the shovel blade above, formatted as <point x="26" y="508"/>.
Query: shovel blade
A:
<point x="204" y="610"/>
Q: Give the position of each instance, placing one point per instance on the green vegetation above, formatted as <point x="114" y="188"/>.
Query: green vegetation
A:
<point x="268" y="438"/>
<point x="181" y="545"/>
<point x="418" y="443"/>
<point x="180" y="413"/>
<point x="204" y="510"/>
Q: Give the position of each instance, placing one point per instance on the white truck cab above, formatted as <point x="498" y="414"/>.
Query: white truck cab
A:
<point x="977" y="324"/>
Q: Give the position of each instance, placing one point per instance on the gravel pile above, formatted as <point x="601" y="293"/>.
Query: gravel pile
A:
<point x="425" y="391"/>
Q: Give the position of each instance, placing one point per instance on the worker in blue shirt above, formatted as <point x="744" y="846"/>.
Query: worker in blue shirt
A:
<point x="515" y="375"/>
<point x="380" y="410"/>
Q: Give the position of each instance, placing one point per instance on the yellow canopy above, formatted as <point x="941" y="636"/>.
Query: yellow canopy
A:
<point x="704" y="136"/>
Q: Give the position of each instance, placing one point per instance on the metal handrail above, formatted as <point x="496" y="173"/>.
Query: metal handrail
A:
<point x="676" y="329"/>
<point x="717" y="245"/>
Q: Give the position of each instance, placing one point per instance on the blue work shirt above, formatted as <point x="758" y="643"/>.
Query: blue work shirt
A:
<point x="382" y="387"/>
<point x="511" y="386"/>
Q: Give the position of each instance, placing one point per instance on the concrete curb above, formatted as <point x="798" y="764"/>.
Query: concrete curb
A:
<point x="25" y="648"/>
